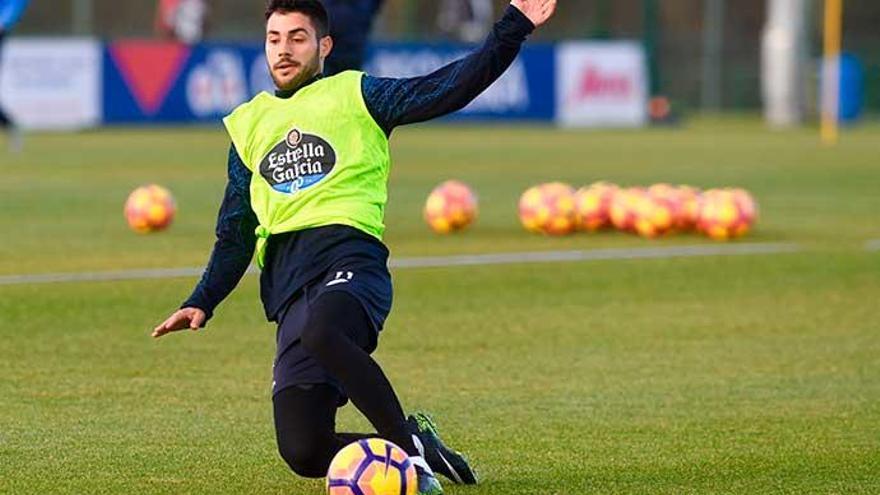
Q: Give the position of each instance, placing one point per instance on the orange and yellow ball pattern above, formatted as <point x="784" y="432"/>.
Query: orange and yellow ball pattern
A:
<point x="655" y="216"/>
<point x="451" y="206"/>
<point x="624" y="208"/>
<point x="371" y="467"/>
<point x="548" y="209"/>
<point x="593" y="205"/>
<point x="690" y="207"/>
<point x="726" y="213"/>
<point x="150" y="209"/>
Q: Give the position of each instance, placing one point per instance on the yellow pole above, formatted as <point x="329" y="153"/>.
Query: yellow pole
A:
<point x="831" y="71"/>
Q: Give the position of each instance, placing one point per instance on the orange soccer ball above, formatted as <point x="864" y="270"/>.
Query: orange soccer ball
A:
<point x="624" y="208"/>
<point x="690" y="198"/>
<point x="726" y="213"/>
<point x="548" y="209"/>
<point x="450" y="207"/>
<point x="371" y="467"/>
<point x="593" y="205"/>
<point x="655" y="215"/>
<point x="670" y="197"/>
<point x="150" y="209"/>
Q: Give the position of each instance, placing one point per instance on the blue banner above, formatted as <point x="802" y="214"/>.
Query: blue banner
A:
<point x="160" y="82"/>
<point x="146" y="81"/>
<point x="526" y="91"/>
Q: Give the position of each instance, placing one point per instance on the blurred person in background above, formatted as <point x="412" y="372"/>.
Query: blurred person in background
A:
<point x="465" y="20"/>
<point x="182" y="20"/>
<point x="306" y="192"/>
<point x="10" y="13"/>
<point x="350" y="26"/>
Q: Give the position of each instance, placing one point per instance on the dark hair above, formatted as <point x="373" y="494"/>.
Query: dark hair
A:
<point x="313" y="9"/>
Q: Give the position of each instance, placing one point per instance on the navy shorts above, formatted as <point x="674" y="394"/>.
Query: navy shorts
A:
<point x="367" y="281"/>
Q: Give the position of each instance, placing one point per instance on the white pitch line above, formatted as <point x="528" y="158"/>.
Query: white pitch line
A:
<point x="595" y="255"/>
<point x="444" y="261"/>
<point x="873" y="245"/>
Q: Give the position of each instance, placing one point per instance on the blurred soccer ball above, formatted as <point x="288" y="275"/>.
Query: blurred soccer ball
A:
<point x="747" y="205"/>
<point x="671" y="198"/>
<point x="625" y="207"/>
<point x="150" y="209"/>
<point x="371" y="467"/>
<point x="655" y="215"/>
<point x="450" y="207"/>
<point x="548" y="209"/>
<point x="726" y="213"/>
<point x="593" y="205"/>
<point x="690" y="207"/>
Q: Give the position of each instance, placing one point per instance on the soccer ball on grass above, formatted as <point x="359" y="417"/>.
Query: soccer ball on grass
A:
<point x="450" y="207"/>
<point x="371" y="467"/>
<point x="150" y="209"/>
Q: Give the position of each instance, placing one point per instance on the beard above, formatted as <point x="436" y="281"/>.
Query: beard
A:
<point x="307" y="71"/>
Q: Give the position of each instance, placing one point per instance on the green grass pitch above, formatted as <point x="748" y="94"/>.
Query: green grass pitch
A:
<point x="751" y="374"/>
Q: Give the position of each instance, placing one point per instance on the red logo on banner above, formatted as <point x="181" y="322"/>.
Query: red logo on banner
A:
<point x="150" y="69"/>
<point x="596" y="84"/>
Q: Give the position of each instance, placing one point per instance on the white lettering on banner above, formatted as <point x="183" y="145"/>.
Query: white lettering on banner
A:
<point x="218" y="85"/>
<point x="510" y="93"/>
<point x="601" y="84"/>
<point x="47" y="84"/>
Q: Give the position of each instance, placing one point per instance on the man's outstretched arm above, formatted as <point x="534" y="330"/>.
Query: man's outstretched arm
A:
<point x="393" y="102"/>
<point x="231" y="257"/>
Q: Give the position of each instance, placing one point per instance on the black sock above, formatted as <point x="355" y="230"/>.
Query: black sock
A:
<point x="337" y="333"/>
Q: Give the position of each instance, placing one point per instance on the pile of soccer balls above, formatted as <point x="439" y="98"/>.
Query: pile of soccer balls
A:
<point x="656" y="211"/>
<point x="557" y="209"/>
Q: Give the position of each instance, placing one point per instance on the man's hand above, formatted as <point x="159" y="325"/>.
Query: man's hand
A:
<point x="191" y="318"/>
<point x="538" y="11"/>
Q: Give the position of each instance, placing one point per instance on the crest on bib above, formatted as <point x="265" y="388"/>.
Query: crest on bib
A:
<point x="298" y="162"/>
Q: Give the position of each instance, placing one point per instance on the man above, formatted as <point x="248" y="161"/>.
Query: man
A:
<point x="466" y="20"/>
<point x="181" y="20"/>
<point x="308" y="170"/>
<point x="10" y="13"/>
<point x="350" y="30"/>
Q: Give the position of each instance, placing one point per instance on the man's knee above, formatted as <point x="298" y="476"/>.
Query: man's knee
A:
<point x="304" y="428"/>
<point x="307" y="459"/>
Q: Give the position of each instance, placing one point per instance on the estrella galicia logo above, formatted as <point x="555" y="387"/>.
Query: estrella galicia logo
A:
<point x="299" y="162"/>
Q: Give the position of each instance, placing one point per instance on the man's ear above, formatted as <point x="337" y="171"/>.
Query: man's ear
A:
<point x="325" y="46"/>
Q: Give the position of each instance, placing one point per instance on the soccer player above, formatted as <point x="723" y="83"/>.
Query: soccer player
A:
<point x="10" y="13"/>
<point x="181" y="20"/>
<point x="350" y="30"/>
<point x="308" y="170"/>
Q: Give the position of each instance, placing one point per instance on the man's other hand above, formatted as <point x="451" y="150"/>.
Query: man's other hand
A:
<point x="186" y="318"/>
<point x="538" y="11"/>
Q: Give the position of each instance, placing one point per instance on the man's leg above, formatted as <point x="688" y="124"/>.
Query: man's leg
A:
<point x="15" y="136"/>
<point x="305" y="428"/>
<point x="4" y="119"/>
<point x="337" y="333"/>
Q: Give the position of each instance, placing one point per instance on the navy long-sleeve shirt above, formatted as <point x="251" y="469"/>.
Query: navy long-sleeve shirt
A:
<point x="295" y="258"/>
